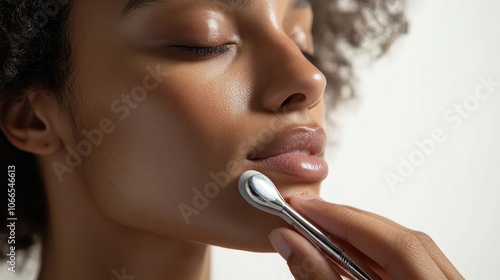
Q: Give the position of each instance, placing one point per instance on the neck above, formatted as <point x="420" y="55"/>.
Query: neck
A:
<point x="80" y="243"/>
<point x="124" y="260"/>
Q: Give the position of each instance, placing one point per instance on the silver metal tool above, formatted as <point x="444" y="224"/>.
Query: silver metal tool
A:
<point x="258" y="190"/>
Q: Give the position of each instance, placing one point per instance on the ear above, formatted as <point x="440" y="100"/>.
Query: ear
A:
<point x="29" y="125"/>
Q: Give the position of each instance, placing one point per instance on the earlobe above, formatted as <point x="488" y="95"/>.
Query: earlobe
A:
<point x="28" y="125"/>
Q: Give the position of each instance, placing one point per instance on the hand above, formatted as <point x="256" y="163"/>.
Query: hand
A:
<point x="383" y="248"/>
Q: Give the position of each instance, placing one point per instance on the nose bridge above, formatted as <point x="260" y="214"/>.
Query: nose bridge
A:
<point x="290" y="80"/>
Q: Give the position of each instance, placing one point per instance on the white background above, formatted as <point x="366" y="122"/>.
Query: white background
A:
<point x="454" y="195"/>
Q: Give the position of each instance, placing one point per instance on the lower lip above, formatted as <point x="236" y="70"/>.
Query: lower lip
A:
<point x="307" y="168"/>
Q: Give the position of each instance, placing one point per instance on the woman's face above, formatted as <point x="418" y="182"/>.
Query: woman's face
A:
<point x="178" y="98"/>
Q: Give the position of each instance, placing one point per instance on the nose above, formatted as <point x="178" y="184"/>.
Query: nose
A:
<point x="290" y="82"/>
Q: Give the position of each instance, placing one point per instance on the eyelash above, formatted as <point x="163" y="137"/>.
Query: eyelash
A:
<point x="221" y="49"/>
<point x="204" y="51"/>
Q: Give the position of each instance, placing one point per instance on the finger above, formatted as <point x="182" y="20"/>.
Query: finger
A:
<point x="303" y="259"/>
<point x="375" y="271"/>
<point x="432" y="249"/>
<point x="366" y="264"/>
<point x="401" y="254"/>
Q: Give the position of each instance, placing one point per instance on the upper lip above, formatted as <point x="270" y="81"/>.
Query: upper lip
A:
<point x="311" y="139"/>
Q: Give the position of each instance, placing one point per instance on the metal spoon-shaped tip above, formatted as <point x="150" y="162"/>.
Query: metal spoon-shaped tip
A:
<point x="260" y="192"/>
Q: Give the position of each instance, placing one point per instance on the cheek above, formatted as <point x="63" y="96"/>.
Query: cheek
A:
<point x="160" y="148"/>
<point x="147" y="166"/>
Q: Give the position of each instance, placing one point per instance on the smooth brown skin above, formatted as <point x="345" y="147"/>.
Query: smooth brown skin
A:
<point x="119" y="207"/>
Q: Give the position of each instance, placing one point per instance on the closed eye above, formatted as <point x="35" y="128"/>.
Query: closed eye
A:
<point x="202" y="51"/>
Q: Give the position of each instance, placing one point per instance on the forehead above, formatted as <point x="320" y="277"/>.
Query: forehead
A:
<point x="132" y="5"/>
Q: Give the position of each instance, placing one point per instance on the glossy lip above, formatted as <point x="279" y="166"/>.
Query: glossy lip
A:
<point x="276" y="156"/>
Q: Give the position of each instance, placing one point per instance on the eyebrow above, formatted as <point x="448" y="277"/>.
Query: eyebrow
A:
<point x="134" y="5"/>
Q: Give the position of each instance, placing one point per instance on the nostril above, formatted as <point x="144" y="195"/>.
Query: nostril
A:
<point x="293" y="99"/>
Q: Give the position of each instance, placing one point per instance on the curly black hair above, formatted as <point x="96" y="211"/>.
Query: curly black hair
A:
<point x="35" y="52"/>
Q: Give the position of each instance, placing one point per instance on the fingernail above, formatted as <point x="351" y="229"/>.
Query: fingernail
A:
<point x="280" y="245"/>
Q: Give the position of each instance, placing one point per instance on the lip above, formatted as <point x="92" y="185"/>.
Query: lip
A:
<point x="279" y="154"/>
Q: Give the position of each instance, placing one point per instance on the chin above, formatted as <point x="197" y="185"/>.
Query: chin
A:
<point x="250" y="230"/>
